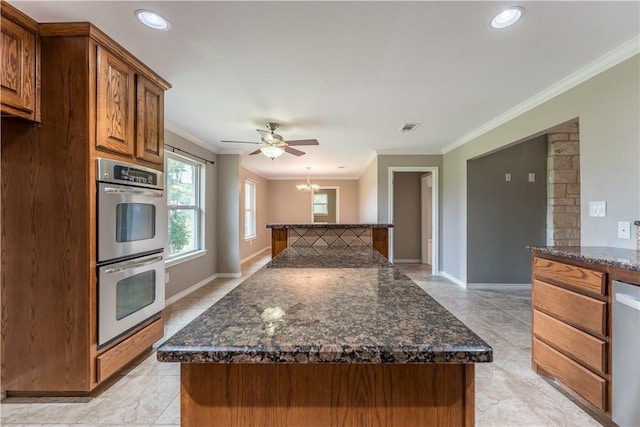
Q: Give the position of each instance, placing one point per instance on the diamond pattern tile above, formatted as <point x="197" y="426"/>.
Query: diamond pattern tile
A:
<point x="329" y="237"/>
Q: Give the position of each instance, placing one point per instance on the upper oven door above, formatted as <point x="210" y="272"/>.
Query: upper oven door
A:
<point x="131" y="220"/>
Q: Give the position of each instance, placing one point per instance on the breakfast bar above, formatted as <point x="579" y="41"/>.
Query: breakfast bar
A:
<point x="327" y="336"/>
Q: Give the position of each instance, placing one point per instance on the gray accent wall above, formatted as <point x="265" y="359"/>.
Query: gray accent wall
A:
<point x="503" y="217"/>
<point x="608" y="107"/>
<point x="184" y="275"/>
<point x="407" y="216"/>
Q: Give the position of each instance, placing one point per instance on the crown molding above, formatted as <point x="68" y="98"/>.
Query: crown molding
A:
<point x="616" y="56"/>
<point x="186" y="135"/>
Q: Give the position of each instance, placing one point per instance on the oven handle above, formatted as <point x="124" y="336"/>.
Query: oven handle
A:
<point x="133" y="264"/>
<point x="138" y="192"/>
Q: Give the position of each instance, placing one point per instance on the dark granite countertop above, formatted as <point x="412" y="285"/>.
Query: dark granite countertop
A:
<point x="627" y="259"/>
<point x="329" y="257"/>
<point x="328" y="225"/>
<point x="290" y="313"/>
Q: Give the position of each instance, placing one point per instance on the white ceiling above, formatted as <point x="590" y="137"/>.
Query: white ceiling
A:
<point x="351" y="73"/>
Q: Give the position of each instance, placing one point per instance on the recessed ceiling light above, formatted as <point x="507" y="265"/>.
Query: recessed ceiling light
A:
<point x="507" y="17"/>
<point x="152" y="19"/>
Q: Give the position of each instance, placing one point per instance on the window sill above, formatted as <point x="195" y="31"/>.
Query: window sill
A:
<point x="184" y="258"/>
<point x="250" y="238"/>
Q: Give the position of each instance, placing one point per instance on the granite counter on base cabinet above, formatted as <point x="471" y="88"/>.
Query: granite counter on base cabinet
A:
<point x="305" y="342"/>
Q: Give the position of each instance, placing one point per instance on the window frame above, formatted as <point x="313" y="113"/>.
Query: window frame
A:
<point x="325" y="204"/>
<point x="252" y="209"/>
<point x="197" y="208"/>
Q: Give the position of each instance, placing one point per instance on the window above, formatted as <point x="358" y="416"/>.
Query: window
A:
<point x="249" y="209"/>
<point x="321" y="204"/>
<point x="185" y="199"/>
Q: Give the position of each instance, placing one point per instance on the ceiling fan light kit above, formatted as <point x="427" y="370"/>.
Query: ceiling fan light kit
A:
<point x="274" y="145"/>
<point x="272" y="151"/>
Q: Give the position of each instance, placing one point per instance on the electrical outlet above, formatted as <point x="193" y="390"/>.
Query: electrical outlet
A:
<point x="166" y="277"/>
<point x="598" y="209"/>
<point x="507" y="177"/>
<point x="532" y="177"/>
<point x="624" y="230"/>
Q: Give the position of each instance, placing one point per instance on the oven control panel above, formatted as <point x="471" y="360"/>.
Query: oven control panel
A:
<point x="127" y="173"/>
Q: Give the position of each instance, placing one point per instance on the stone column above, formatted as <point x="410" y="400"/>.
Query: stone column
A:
<point x="563" y="187"/>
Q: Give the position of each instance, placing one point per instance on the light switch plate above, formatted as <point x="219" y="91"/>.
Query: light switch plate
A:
<point x="624" y="230"/>
<point x="598" y="209"/>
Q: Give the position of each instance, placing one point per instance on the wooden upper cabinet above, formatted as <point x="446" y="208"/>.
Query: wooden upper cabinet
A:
<point x="149" y="121"/>
<point x="19" y="47"/>
<point x="115" y="112"/>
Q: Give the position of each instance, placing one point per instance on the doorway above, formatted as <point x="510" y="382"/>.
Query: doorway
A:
<point x="325" y="205"/>
<point x="427" y="204"/>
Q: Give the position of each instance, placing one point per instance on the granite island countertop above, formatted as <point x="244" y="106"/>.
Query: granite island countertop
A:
<point x="627" y="259"/>
<point x="289" y="312"/>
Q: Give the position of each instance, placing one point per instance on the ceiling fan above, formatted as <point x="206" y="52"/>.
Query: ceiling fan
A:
<point x="274" y="145"/>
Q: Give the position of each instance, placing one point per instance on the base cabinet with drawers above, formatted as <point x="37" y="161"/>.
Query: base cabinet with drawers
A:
<point x="571" y="327"/>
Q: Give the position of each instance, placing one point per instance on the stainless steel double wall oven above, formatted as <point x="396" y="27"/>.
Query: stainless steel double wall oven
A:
<point x="132" y="229"/>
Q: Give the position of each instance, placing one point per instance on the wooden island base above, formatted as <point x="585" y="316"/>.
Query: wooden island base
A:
<point x="214" y="394"/>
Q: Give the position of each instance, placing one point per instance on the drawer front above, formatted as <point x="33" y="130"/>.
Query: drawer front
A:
<point x="582" y="347"/>
<point x="112" y="360"/>
<point x="570" y="275"/>
<point x="574" y="376"/>
<point x="578" y="310"/>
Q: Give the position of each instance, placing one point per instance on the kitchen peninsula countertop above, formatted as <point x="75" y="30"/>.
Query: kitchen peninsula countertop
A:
<point x="627" y="259"/>
<point x="328" y="225"/>
<point x="347" y="305"/>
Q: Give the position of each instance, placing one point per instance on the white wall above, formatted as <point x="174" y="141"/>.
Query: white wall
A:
<point x="288" y="205"/>
<point x="608" y="107"/>
<point x="368" y="194"/>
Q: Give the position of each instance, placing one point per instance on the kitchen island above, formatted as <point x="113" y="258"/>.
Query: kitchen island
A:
<point x="321" y="235"/>
<point x="327" y="336"/>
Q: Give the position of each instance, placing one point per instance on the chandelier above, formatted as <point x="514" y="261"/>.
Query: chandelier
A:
<point x="308" y="187"/>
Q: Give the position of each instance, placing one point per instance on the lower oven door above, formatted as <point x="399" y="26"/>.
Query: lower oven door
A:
<point x="129" y="292"/>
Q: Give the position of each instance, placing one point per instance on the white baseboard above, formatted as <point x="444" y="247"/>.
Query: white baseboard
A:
<point x="453" y="279"/>
<point x="255" y="254"/>
<point x="407" y="261"/>
<point x="229" y="275"/>
<point x="190" y="289"/>
<point x="498" y="285"/>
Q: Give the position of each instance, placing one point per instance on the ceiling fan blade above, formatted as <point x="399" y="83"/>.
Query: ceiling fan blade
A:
<point x="255" y="152"/>
<point x="294" y="151"/>
<point x="303" y="142"/>
<point x="241" y="142"/>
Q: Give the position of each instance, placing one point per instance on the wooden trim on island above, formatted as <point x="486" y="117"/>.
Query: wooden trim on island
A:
<point x="327" y="394"/>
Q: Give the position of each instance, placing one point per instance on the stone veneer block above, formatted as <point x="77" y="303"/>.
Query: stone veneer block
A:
<point x="563" y="176"/>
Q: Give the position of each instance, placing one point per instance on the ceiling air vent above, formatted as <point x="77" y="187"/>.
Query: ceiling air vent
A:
<point x="408" y="127"/>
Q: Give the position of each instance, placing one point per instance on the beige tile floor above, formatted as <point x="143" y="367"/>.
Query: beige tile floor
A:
<point x="508" y="393"/>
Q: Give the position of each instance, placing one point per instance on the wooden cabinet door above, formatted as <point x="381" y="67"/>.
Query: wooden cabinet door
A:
<point x="149" y="122"/>
<point x="115" y="104"/>
<point x="18" y="76"/>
